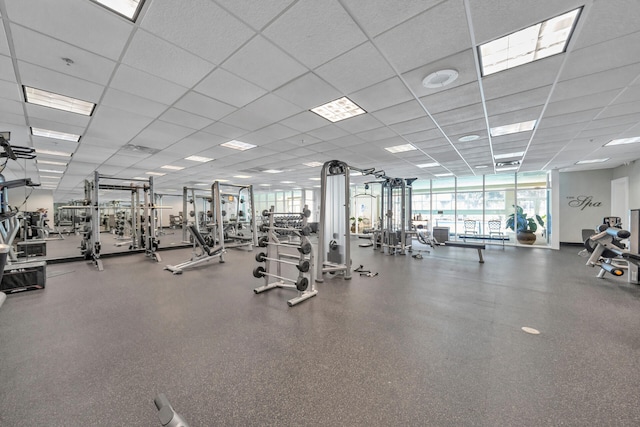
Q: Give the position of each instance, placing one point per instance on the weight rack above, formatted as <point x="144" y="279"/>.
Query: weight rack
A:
<point x="277" y="255"/>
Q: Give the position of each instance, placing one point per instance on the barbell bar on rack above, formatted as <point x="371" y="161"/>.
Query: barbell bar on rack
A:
<point x="302" y="266"/>
<point x="304" y="248"/>
<point x="306" y="213"/>
<point x="302" y="283"/>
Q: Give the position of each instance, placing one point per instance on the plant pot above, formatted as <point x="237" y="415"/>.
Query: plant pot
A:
<point x="526" y="237"/>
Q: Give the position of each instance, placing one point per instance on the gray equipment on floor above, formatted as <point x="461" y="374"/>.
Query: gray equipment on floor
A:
<point x="168" y="416"/>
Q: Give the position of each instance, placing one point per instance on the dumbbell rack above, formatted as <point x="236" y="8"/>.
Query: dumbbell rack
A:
<point x="277" y="255"/>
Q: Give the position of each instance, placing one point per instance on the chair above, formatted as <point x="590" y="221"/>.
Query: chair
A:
<point x="495" y="227"/>
<point x="470" y="226"/>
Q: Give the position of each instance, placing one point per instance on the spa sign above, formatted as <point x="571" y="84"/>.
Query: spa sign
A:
<point x="583" y="202"/>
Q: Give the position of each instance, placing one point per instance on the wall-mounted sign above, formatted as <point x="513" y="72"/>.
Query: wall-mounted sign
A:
<point x="583" y="202"/>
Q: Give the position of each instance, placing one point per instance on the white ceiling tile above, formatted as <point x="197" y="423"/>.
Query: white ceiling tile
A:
<point x="356" y="69"/>
<point x="305" y="121"/>
<point x="54" y="144"/>
<point x="12" y="107"/>
<point x="7" y="72"/>
<point x="195" y="143"/>
<point x="523" y="78"/>
<point x="225" y="130"/>
<point x="262" y="112"/>
<point x="10" y="91"/>
<point x="83" y="24"/>
<point x="134" y="104"/>
<point x="269" y="134"/>
<point x="228" y="88"/>
<point x="57" y="126"/>
<point x="48" y="53"/>
<point x="599" y="82"/>
<point x="412" y="126"/>
<point x="137" y="82"/>
<point x="377" y="16"/>
<point x="315" y="31"/>
<point x="126" y="124"/>
<point x="460" y="115"/>
<point x="94" y="153"/>
<point x="308" y="91"/>
<point x="161" y="135"/>
<point x="12" y="119"/>
<point x="150" y="54"/>
<point x="183" y="118"/>
<point x="604" y="22"/>
<point x="212" y="33"/>
<point x="399" y="113"/>
<point x="361" y="123"/>
<point x="204" y="106"/>
<point x="587" y="102"/>
<point x="62" y="84"/>
<point x="255" y="14"/>
<point x="382" y="95"/>
<point x="447" y="20"/>
<point x="264" y="64"/>
<point x="328" y="132"/>
<point x="58" y="116"/>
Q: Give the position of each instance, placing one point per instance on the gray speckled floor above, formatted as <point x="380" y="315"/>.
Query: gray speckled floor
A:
<point x="431" y="342"/>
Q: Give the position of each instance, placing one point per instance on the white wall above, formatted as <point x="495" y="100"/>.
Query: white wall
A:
<point x="585" y="198"/>
<point x="632" y="171"/>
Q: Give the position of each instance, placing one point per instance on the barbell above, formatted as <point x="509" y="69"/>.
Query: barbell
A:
<point x="302" y="266"/>
<point x="302" y="283"/>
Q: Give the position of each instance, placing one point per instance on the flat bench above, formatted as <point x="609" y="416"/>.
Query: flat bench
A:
<point x="478" y="246"/>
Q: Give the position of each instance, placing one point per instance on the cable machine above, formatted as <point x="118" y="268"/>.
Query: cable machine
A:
<point x="395" y="214"/>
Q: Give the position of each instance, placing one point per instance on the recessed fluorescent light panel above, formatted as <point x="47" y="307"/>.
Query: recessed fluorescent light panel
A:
<point x="400" y="148"/>
<point x="314" y="179"/>
<point x="510" y="168"/>
<point x="59" y="102"/>
<point x="52" y="153"/>
<point x="428" y="165"/>
<point x="622" y="141"/>
<point x="127" y="8"/>
<point x="272" y="171"/>
<point x="50" y="171"/>
<point x="238" y="145"/>
<point x="172" y="168"/>
<point x="482" y="167"/>
<point x="242" y="176"/>
<point x="586" y="162"/>
<point x="49" y="162"/>
<point x="508" y="155"/>
<point x="513" y="128"/>
<point x="49" y="176"/>
<point x="440" y="175"/>
<point x="265" y="185"/>
<point x="530" y="44"/>
<point x="287" y="182"/>
<point x="155" y="173"/>
<point x="55" y="135"/>
<point x="313" y="164"/>
<point x="337" y="110"/>
<point x="198" y="159"/>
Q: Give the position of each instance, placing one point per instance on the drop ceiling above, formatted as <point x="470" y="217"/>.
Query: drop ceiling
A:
<point x="188" y="76"/>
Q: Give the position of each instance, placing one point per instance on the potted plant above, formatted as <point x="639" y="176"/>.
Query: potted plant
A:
<point x="524" y="226"/>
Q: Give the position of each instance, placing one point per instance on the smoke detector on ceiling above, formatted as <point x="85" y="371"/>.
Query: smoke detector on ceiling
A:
<point x="440" y="79"/>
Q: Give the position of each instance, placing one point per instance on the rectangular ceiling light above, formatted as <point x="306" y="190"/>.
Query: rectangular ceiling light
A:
<point x="198" y="159"/>
<point x="287" y="182"/>
<point x="50" y="171"/>
<point x="55" y="135"/>
<point x="155" y="173"/>
<point x="272" y="171"/>
<point x="238" y="145"/>
<point x="59" y="102"/>
<point x="622" y="141"/>
<point x="127" y="8"/>
<point x="49" y="162"/>
<point x="530" y="44"/>
<point x="513" y="128"/>
<point x="264" y="185"/>
<point x="337" y="110"/>
<point x="428" y="165"/>
<point x="315" y="179"/>
<point x="313" y="164"/>
<point x="440" y="175"/>
<point x="508" y="155"/>
<point x="172" y="168"/>
<point x="52" y="153"/>
<point x="49" y="176"/>
<point x="586" y="162"/>
<point x="242" y="176"/>
<point x="400" y="148"/>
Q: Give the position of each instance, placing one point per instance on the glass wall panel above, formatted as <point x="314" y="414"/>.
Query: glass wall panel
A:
<point x="532" y="197"/>
<point x="499" y="204"/>
<point x="470" y="207"/>
<point x="443" y="204"/>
